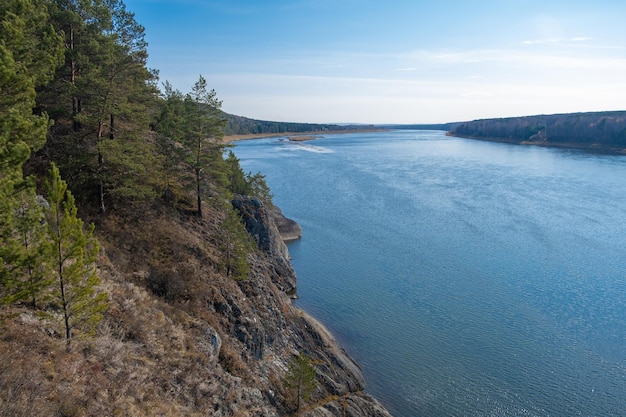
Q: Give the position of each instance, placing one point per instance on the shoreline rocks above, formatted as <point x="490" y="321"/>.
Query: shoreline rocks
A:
<point x="284" y="328"/>
<point x="289" y="229"/>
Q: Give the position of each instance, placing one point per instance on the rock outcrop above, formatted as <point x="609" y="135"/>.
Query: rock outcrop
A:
<point x="282" y="330"/>
<point x="289" y="229"/>
<point x="260" y="224"/>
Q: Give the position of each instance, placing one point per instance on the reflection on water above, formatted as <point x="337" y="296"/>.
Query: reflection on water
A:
<point x="467" y="278"/>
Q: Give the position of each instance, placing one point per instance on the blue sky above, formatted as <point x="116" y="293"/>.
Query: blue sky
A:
<point x="392" y="61"/>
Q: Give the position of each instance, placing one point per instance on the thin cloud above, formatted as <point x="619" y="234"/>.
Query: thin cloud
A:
<point x="475" y="94"/>
<point x="555" y="41"/>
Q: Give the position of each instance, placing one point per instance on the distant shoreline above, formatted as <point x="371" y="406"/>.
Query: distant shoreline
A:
<point x="299" y="136"/>
<point x="594" y="147"/>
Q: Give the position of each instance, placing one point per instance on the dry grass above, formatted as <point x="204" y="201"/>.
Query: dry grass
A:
<point x="154" y="353"/>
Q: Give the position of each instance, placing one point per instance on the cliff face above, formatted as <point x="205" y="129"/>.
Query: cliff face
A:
<point x="261" y="224"/>
<point x="179" y="336"/>
<point x="340" y="381"/>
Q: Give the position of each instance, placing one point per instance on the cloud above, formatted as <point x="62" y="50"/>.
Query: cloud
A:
<point x="422" y="86"/>
<point x="555" y="41"/>
<point x="409" y="69"/>
<point x="471" y="94"/>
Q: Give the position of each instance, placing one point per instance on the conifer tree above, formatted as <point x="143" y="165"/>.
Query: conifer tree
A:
<point x="260" y="188"/>
<point x="100" y="100"/>
<point x="300" y="378"/>
<point x="32" y="281"/>
<point x="237" y="178"/>
<point x="202" y="137"/>
<point x="189" y="129"/>
<point x="74" y="262"/>
<point x="29" y="53"/>
<point x="235" y="244"/>
<point x="247" y="184"/>
<point x="170" y="127"/>
<point x="23" y="244"/>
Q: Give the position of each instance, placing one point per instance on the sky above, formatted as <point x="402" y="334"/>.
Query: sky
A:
<point x="392" y="61"/>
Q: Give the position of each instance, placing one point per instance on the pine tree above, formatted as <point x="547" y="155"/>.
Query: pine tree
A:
<point x="260" y="188"/>
<point x="33" y="279"/>
<point x="202" y="138"/>
<point x="75" y="252"/>
<point x="101" y="100"/>
<point x="170" y="127"/>
<point x="235" y="244"/>
<point x="29" y="53"/>
<point x="23" y="244"/>
<point x="300" y="378"/>
<point x="237" y="178"/>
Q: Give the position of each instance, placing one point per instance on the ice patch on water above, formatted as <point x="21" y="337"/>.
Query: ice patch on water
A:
<point x="303" y="146"/>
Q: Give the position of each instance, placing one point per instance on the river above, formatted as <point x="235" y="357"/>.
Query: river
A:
<point x="467" y="278"/>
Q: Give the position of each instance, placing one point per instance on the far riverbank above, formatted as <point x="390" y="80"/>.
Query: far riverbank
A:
<point x="588" y="147"/>
<point x="300" y="136"/>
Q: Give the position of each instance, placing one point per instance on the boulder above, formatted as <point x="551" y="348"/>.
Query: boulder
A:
<point x="289" y="229"/>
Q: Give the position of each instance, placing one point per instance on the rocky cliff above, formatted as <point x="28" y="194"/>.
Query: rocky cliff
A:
<point x="340" y="381"/>
<point x="180" y="337"/>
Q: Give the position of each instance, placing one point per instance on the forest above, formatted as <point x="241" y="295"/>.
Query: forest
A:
<point x="596" y="130"/>
<point x="239" y="125"/>
<point x="129" y="283"/>
<point x="85" y="128"/>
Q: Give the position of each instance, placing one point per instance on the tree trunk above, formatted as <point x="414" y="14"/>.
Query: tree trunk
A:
<point x="66" y="314"/>
<point x="101" y="169"/>
<point x="112" y="127"/>
<point x="198" y="192"/>
<point x="74" y="73"/>
<point x="66" y="319"/>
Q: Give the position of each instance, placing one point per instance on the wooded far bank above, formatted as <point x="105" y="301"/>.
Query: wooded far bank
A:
<point x="602" y="131"/>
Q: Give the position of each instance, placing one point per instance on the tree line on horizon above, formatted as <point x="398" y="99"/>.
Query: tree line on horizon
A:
<point x="84" y="126"/>
<point x="601" y="129"/>
<point x="239" y="125"/>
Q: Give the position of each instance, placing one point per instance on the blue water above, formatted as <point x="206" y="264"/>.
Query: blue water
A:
<point x="467" y="278"/>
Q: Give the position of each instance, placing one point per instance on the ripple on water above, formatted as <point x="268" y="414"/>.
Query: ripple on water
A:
<point x="467" y="278"/>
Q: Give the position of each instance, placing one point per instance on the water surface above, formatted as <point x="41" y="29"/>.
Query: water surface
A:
<point x="467" y="278"/>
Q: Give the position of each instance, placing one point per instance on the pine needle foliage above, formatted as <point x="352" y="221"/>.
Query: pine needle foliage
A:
<point x="300" y="379"/>
<point x="235" y="244"/>
<point x="29" y="52"/>
<point x="74" y="265"/>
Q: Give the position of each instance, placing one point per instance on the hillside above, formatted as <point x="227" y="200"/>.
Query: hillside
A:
<point x="602" y="131"/>
<point x="438" y="126"/>
<point x="179" y="337"/>
<point x="130" y="285"/>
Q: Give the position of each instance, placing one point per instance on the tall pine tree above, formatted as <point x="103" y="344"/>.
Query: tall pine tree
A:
<point x="189" y="130"/>
<point x="170" y="127"/>
<point x="29" y="54"/>
<point x="202" y="138"/>
<point x="101" y="101"/>
<point x="74" y="262"/>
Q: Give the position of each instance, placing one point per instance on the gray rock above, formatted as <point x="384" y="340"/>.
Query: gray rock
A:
<point x="353" y="405"/>
<point x="270" y="330"/>
<point x="289" y="229"/>
<point x="260" y="224"/>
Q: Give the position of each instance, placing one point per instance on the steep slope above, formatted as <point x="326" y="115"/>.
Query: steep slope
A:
<point x="179" y="337"/>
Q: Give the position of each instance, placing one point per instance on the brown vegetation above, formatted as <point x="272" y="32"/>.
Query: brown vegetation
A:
<point x="171" y="307"/>
<point x="156" y="351"/>
<point x="179" y="336"/>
